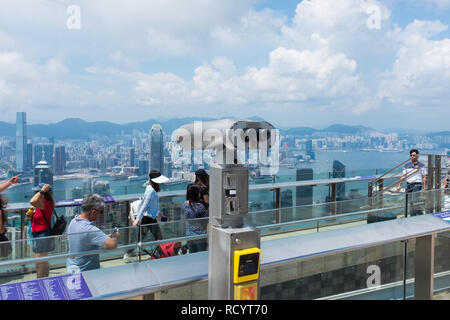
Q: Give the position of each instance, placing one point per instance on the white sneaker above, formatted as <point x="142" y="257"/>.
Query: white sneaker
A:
<point x="128" y="258"/>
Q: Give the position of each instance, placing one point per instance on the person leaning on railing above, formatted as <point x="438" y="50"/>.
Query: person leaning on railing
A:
<point x="415" y="174"/>
<point x="3" y="202"/>
<point x="9" y="183"/>
<point x="40" y="226"/>
<point x="193" y="210"/>
<point x="84" y="236"/>
<point x="446" y="187"/>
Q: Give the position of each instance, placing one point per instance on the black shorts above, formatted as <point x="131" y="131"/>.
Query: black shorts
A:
<point x="154" y="228"/>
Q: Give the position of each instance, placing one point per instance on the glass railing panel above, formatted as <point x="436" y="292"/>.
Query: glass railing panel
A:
<point x="261" y="200"/>
<point x="371" y="273"/>
<point x="57" y="246"/>
<point x="442" y="266"/>
<point x="424" y="202"/>
<point x="335" y="211"/>
<point x="172" y="208"/>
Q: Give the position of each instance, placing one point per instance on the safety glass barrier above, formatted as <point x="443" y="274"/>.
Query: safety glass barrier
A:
<point x="418" y="202"/>
<point x="442" y="266"/>
<point x="363" y="209"/>
<point x="145" y="242"/>
<point x="375" y="273"/>
<point x="372" y="273"/>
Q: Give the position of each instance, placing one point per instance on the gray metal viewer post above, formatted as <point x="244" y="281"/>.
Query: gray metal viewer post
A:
<point x="234" y="248"/>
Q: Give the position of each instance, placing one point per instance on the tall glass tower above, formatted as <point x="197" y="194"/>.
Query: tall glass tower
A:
<point x="21" y="141"/>
<point x="156" y="148"/>
<point x="339" y="172"/>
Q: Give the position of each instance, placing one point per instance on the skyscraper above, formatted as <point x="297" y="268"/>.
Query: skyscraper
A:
<point x="156" y="148"/>
<point x="60" y="160"/>
<point x="29" y="165"/>
<point x="47" y="156"/>
<point x="143" y="167"/>
<point x="309" y="150"/>
<point x="42" y="173"/>
<point x="132" y="157"/>
<point x="339" y="172"/>
<point x="21" y="141"/>
<point x="304" y="195"/>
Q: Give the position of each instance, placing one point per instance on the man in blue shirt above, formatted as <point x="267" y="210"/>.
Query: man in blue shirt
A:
<point x="84" y="236"/>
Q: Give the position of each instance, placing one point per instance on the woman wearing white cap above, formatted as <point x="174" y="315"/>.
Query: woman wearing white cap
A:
<point x="149" y="208"/>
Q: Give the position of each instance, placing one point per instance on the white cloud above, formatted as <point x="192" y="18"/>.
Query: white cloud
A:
<point x="339" y="25"/>
<point x="421" y="72"/>
<point x="441" y="3"/>
<point x="290" y="76"/>
<point x="38" y="88"/>
<point x="324" y="58"/>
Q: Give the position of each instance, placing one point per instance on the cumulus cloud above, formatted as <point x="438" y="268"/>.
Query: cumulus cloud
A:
<point x="290" y="76"/>
<point x="326" y="57"/>
<point x="441" y="3"/>
<point x="421" y="72"/>
<point x="339" y="25"/>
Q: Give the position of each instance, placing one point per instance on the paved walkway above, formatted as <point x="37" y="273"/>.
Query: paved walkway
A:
<point x="444" y="295"/>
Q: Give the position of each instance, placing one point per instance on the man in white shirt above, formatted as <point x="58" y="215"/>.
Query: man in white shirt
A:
<point x="415" y="174"/>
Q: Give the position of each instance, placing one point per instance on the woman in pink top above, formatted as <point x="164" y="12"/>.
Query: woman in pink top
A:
<point x="40" y="227"/>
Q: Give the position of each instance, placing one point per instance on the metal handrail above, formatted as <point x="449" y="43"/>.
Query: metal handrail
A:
<point x="92" y="252"/>
<point x="386" y="173"/>
<point x="318" y="219"/>
<point x="399" y="180"/>
<point x="180" y="193"/>
<point x="185" y="238"/>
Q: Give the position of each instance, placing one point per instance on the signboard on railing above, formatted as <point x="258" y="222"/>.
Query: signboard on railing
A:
<point x="77" y="202"/>
<point x="358" y="178"/>
<point x="444" y="215"/>
<point x="66" y="287"/>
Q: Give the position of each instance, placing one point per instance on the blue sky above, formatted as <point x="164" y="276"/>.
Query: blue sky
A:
<point x="294" y="63"/>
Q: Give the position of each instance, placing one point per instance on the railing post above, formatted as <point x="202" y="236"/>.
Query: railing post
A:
<point x="430" y="178"/>
<point x="278" y="204"/>
<point x="380" y="186"/>
<point x="370" y="189"/>
<point x="333" y="198"/>
<point x="127" y="208"/>
<point x="380" y="192"/>
<point x="437" y="167"/>
<point x="429" y="198"/>
<point x="22" y="233"/>
<point x="405" y="268"/>
<point x="139" y="243"/>
<point x="424" y="268"/>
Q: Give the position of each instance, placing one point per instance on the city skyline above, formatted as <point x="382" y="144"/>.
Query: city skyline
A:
<point x="294" y="63"/>
<point x="337" y="127"/>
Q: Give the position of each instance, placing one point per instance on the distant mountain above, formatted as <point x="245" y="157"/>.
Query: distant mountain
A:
<point x="441" y="134"/>
<point x="341" y="128"/>
<point x="336" y="128"/>
<point x="74" y="128"/>
<point x="7" y="129"/>
<point x="299" y="131"/>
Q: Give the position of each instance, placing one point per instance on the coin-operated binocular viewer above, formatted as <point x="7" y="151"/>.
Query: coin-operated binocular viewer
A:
<point x="234" y="248"/>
